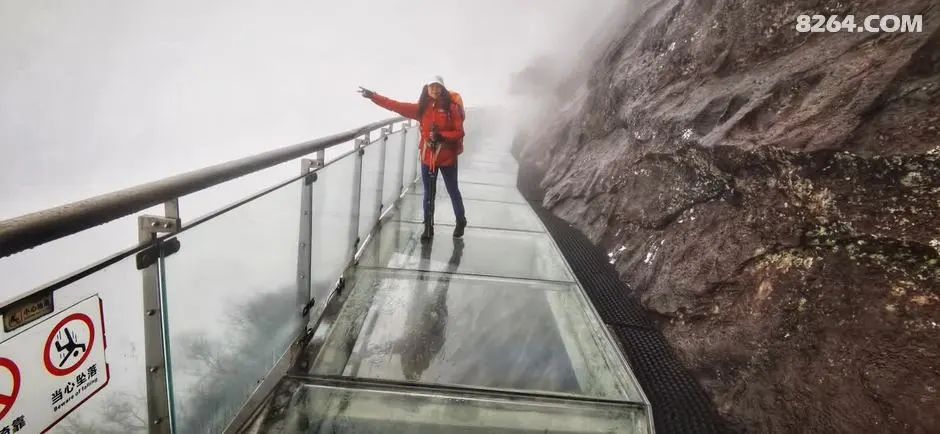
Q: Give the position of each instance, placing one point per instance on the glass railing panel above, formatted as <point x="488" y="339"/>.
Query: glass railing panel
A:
<point x="411" y="156"/>
<point x="470" y="190"/>
<point x="480" y="213"/>
<point x="210" y="199"/>
<point x="369" y="192"/>
<point x="335" y="152"/>
<point x="483" y="251"/>
<point x="337" y="407"/>
<point x="439" y="328"/>
<point x="332" y="247"/>
<point x="232" y="308"/>
<point x="393" y="169"/>
<point x="117" y="399"/>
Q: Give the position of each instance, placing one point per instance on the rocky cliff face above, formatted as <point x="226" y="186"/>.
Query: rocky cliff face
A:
<point x="773" y="198"/>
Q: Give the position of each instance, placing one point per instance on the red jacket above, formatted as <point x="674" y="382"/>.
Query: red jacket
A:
<point x="448" y="121"/>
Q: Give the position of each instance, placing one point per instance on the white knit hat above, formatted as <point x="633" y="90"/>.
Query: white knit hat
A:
<point x="436" y="79"/>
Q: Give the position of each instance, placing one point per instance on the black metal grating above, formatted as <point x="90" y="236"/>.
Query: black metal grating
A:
<point x="679" y="405"/>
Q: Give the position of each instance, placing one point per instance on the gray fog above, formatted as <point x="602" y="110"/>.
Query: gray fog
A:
<point x="100" y="95"/>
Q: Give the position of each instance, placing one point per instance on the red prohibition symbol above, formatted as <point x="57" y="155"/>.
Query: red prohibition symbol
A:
<point x="68" y="346"/>
<point x="6" y="401"/>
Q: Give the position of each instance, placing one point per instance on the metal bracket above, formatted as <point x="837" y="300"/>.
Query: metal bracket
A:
<point x="361" y="145"/>
<point x="151" y="226"/>
<point x="306" y="310"/>
<point x="309" y="165"/>
<point x="150" y="255"/>
<point x="156" y="225"/>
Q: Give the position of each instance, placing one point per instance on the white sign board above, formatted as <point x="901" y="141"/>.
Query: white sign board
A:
<point x="52" y="367"/>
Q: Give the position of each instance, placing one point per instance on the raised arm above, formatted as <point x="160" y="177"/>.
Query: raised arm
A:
<point x="406" y="109"/>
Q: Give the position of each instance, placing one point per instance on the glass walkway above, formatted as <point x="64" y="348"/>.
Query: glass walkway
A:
<point x="489" y="333"/>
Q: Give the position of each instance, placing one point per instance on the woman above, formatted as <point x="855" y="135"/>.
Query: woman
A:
<point x="441" y="119"/>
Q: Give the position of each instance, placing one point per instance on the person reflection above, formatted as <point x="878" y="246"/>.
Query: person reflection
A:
<point x="426" y="320"/>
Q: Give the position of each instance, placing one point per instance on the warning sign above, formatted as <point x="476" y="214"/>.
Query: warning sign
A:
<point x="69" y="344"/>
<point x="11" y="374"/>
<point x="52" y="367"/>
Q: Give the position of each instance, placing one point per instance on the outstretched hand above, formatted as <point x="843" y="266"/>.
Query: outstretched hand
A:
<point x="366" y="93"/>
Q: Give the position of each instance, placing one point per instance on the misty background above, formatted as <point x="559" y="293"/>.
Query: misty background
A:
<point x="97" y="96"/>
<point x="101" y="95"/>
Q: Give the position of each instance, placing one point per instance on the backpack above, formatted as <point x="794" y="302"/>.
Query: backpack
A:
<point x="457" y="99"/>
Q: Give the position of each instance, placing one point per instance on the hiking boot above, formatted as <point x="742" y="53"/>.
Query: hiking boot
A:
<point x="428" y="232"/>
<point x="458" y="231"/>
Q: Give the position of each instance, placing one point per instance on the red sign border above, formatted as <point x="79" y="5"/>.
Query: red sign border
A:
<point x="91" y="341"/>
<point x="15" y="370"/>
<point x="107" y="370"/>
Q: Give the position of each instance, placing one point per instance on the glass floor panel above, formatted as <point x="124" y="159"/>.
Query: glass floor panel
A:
<point x="480" y="213"/>
<point x="338" y="407"/>
<point x="489" y="154"/>
<point x="507" y="167"/>
<point x="490" y="252"/>
<point x="470" y="190"/>
<point x="438" y="328"/>
<point x="486" y="177"/>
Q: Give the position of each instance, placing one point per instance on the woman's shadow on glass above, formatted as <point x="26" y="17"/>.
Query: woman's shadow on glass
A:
<point x="426" y="318"/>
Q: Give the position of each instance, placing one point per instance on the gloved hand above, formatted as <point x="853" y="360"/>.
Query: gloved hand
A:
<point x="366" y="93"/>
<point x="436" y="137"/>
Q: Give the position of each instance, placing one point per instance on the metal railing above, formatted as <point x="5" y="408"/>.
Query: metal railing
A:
<point x="390" y="167"/>
<point x="31" y="230"/>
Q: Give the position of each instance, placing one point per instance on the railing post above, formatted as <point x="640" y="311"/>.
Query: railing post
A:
<point x="401" y="159"/>
<point x="305" y="239"/>
<point x="157" y="373"/>
<point x="382" y="156"/>
<point x="359" y="146"/>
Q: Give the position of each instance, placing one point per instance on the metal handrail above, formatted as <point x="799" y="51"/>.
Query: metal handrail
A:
<point x="34" y="229"/>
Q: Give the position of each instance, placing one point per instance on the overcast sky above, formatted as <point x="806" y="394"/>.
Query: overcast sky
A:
<point x="98" y="95"/>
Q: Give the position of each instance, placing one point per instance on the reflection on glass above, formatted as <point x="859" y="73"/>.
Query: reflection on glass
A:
<point x="426" y="317"/>
<point x="488" y="252"/>
<point x="339" y="407"/>
<point x="231" y="306"/>
<point x="443" y="328"/>
<point x="332" y="247"/>
<point x="369" y="190"/>
<point x="411" y="157"/>
<point x="480" y="213"/>
<point x="471" y="190"/>
<point x="393" y="169"/>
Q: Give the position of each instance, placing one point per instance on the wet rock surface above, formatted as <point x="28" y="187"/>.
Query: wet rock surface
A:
<point x="773" y="199"/>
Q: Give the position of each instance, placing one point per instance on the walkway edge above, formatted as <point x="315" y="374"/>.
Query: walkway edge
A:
<point x="679" y="405"/>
